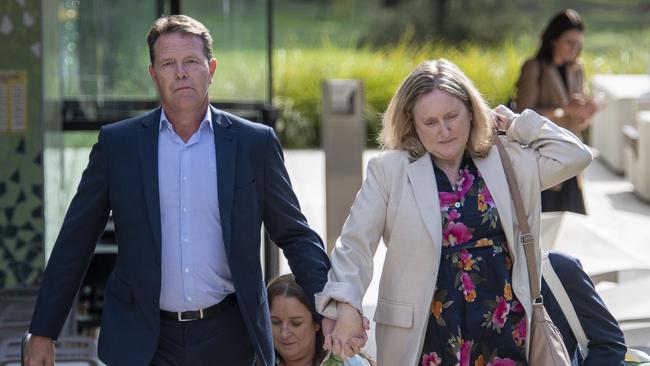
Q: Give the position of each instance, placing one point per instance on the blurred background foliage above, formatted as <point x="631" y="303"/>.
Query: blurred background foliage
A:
<point x="381" y="41"/>
<point x="377" y="41"/>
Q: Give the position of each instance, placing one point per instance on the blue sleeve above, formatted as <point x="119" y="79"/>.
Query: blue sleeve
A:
<point x="287" y="226"/>
<point x="606" y="341"/>
<point x="84" y="222"/>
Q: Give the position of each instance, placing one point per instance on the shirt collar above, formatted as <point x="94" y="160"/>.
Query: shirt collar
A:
<point x="164" y="122"/>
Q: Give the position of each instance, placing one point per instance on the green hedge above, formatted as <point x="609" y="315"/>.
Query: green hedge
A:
<point x="298" y="74"/>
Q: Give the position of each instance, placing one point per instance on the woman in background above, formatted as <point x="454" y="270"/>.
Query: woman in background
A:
<point x="553" y="84"/>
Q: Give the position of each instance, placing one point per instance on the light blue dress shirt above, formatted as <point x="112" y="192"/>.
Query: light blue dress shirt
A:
<point x="194" y="268"/>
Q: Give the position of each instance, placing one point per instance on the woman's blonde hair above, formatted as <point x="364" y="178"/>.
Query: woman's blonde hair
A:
<point x="398" y="126"/>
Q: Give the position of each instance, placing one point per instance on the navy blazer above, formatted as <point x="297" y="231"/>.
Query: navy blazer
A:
<point x="122" y="177"/>
<point x="606" y="342"/>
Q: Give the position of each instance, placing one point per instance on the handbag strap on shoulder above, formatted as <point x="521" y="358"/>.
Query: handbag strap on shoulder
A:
<point x="527" y="239"/>
<point x="558" y="290"/>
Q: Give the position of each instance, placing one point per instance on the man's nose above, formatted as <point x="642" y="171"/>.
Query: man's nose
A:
<point x="181" y="73"/>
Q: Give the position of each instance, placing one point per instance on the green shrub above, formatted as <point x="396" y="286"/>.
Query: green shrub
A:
<point x="494" y="70"/>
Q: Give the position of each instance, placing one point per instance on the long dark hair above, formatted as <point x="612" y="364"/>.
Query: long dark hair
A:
<point x="285" y="285"/>
<point x="563" y="21"/>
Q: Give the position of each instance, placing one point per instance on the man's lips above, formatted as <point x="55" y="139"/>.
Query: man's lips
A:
<point x="182" y="88"/>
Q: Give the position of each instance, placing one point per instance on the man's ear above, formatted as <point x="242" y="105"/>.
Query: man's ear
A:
<point x="212" y="65"/>
<point x="152" y="72"/>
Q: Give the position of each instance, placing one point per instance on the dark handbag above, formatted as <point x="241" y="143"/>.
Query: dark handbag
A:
<point x="546" y="346"/>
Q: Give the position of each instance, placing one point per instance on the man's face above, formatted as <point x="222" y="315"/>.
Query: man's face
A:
<point x="181" y="72"/>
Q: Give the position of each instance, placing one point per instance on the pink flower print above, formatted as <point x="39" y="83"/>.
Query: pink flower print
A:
<point x="466" y="260"/>
<point x="447" y="199"/>
<point x="516" y="307"/>
<point x="469" y="289"/>
<point x="455" y="234"/>
<point x="465" y="352"/>
<point x="454" y="215"/>
<point x="465" y="182"/>
<point x="502" y="362"/>
<point x="519" y="333"/>
<point x="500" y="313"/>
<point x="432" y="359"/>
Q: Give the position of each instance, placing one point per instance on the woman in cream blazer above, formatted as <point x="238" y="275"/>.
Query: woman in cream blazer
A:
<point x="399" y="203"/>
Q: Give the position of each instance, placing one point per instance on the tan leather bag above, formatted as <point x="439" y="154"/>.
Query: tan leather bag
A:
<point x="546" y="346"/>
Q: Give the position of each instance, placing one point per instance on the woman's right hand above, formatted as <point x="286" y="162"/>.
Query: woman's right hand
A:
<point x="349" y="328"/>
<point x="581" y="109"/>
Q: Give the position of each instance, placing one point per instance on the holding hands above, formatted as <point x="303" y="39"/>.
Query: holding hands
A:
<point x="345" y="336"/>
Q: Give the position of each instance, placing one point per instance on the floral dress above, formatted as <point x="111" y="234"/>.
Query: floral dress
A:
<point x="475" y="319"/>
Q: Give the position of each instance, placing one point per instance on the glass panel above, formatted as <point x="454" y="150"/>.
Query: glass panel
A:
<point x="104" y="50"/>
<point x="239" y="32"/>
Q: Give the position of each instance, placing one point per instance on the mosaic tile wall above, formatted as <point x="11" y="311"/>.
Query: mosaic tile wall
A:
<point x="21" y="144"/>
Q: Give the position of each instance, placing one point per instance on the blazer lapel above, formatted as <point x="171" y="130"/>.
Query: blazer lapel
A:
<point x="423" y="183"/>
<point x="492" y="172"/>
<point x="148" y="156"/>
<point x="225" y="141"/>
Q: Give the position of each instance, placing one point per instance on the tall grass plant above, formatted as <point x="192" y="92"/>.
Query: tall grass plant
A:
<point x="299" y="72"/>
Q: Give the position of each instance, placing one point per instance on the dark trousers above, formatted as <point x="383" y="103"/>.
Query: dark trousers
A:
<point x="220" y="339"/>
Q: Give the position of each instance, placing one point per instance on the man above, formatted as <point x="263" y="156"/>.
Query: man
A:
<point x="188" y="187"/>
<point x="606" y="342"/>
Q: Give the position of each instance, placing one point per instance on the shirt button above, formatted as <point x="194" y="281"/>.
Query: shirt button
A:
<point x="185" y="209"/>
<point x="460" y="189"/>
<point x="521" y="290"/>
<point x="158" y="261"/>
<point x="155" y="303"/>
<point x="187" y="270"/>
<point x="184" y="178"/>
<point x="457" y="204"/>
<point x="186" y="240"/>
<point x="189" y="298"/>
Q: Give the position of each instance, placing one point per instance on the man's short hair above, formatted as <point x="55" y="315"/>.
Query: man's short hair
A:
<point x="179" y="24"/>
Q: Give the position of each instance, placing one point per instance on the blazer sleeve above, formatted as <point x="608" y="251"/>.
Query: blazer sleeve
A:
<point x="287" y="226"/>
<point x="528" y="87"/>
<point x="606" y="341"/>
<point x="352" y="259"/>
<point x="560" y="154"/>
<point x="84" y="222"/>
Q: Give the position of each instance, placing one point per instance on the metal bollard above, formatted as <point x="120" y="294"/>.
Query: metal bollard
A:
<point x="343" y="136"/>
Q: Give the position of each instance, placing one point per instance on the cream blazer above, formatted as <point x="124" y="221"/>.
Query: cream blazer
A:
<point x="398" y="202"/>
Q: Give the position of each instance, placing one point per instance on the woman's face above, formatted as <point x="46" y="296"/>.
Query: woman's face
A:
<point x="442" y="122"/>
<point x="294" y="331"/>
<point x="568" y="46"/>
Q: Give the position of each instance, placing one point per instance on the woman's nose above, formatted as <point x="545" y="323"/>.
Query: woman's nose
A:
<point x="284" y="332"/>
<point x="445" y="128"/>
